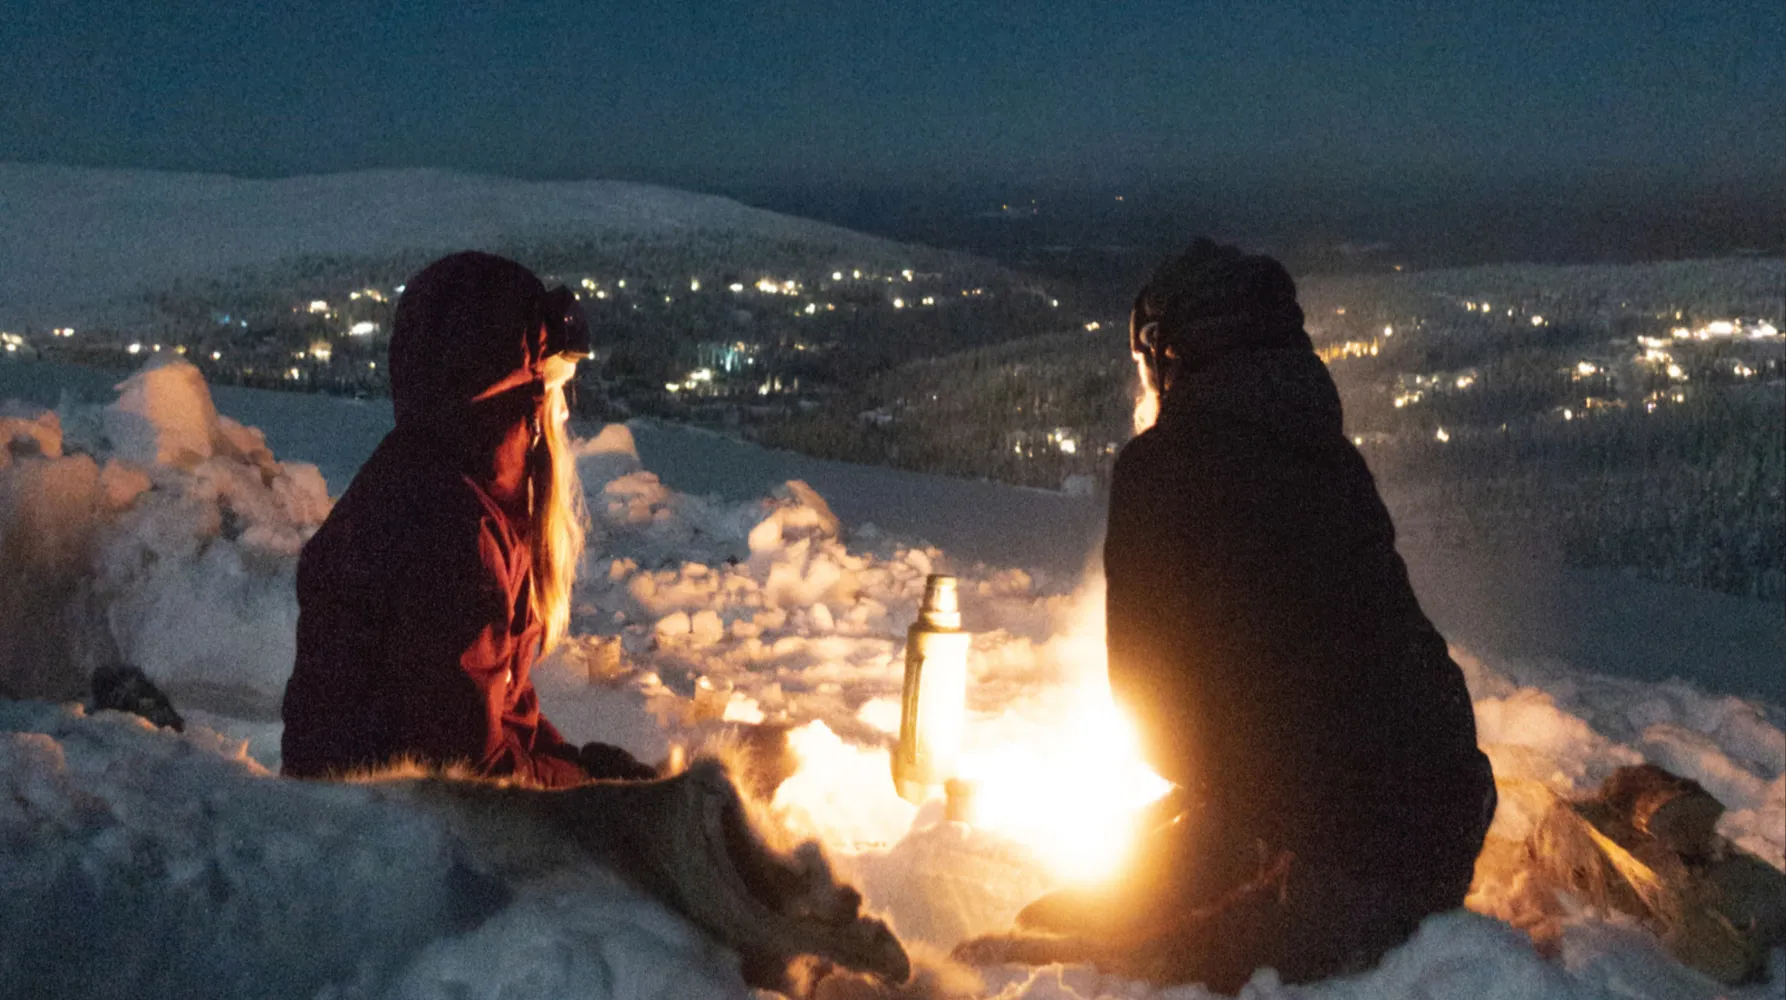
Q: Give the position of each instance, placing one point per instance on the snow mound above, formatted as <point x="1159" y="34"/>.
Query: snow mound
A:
<point x="158" y="533"/>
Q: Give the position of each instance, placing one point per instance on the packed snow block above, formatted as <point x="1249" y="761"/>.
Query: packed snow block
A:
<point x="49" y="518"/>
<point x="170" y="544"/>
<point x="164" y="415"/>
<point x="607" y="456"/>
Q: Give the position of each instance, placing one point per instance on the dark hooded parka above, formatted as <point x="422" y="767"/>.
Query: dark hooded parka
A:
<point x="1262" y="630"/>
<point x="416" y="630"/>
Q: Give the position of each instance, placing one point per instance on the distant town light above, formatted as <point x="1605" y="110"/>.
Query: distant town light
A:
<point x="929" y="300"/>
<point x="216" y="355"/>
<point x="836" y="275"/>
<point x="899" y="303"/>
<point x="319" y="305"/>
<point x="906" y="274"/>
<point x="694" y="284"/>
<point x="1389" y="331"/>
<point x="1537" y="321"/>
<point x="363" y="328"/>
<point x="1585" y="368"/>
<point x="1093" y="325"/>
<point x="736" y="286"/>
<point x="1443" y="435"/>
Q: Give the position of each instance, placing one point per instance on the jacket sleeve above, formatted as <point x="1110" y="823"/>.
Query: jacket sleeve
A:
<point x="551" y="760"/>
<point x="451" y="647"/>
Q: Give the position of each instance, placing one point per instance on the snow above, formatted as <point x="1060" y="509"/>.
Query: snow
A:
<point x="83" y="244"/>
<point x="166" y="534"/>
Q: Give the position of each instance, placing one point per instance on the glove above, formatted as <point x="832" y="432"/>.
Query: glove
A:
<point x="606" y="762"/>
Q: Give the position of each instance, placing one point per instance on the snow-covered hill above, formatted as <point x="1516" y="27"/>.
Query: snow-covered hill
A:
<point x="157" y="530"/>
<point x="74" y="240"/>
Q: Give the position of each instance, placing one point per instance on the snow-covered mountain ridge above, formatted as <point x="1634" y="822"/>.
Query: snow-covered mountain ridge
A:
<point x="72" y="238"/>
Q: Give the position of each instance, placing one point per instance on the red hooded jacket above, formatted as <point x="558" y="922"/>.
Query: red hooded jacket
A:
<point x="416" y="631"/>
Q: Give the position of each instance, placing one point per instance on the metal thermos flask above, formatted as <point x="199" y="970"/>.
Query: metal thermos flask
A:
<point x="933" y="707"/>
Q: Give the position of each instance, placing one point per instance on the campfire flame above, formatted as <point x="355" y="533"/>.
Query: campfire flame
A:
<point x="1072" y="790"/>
<point x="1060" y="773"/>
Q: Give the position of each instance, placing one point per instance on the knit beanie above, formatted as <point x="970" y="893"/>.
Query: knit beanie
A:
<point x="1211" y="301"/>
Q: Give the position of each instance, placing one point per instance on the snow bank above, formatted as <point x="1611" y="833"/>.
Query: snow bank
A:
<point x="159" y="533"/>
<point x="174" y="532"/>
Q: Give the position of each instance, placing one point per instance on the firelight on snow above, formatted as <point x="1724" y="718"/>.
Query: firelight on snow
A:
<point x="1071" y="792"/>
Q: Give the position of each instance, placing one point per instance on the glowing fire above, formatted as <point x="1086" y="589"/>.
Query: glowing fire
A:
<point x="1072" y="784"/>
<point x="1056" y="769"/>
<point x="1072" y="796"/>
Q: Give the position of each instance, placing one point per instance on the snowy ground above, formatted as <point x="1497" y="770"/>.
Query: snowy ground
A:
<point x="156" y="531"/>
<point x="80" y="245"/>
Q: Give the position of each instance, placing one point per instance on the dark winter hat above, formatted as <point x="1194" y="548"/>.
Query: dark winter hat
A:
<point x="1213" y="300"/>
<point x="468" y="327"/>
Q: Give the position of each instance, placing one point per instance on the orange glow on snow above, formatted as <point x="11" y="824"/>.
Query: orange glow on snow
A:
<point x="1057" y="770"/>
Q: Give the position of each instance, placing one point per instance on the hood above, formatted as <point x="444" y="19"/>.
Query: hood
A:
<point x="1288" y="390"/>
<point x="467" y="332"/>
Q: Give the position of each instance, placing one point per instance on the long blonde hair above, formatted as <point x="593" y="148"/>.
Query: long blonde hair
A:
<point x="559" y="512"/>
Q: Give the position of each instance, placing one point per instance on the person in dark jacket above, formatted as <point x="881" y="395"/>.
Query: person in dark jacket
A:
<point x="1263" y="635"/>
<point x="445" y="569"/>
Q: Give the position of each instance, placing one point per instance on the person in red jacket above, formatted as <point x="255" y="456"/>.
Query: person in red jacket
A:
<point x="445" y="570"/>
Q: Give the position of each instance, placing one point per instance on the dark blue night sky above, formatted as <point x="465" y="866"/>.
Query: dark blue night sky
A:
<point x="883" y="92"/>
